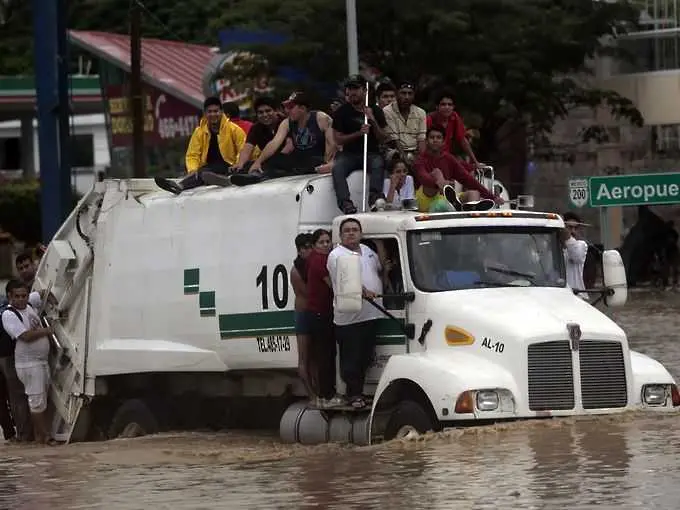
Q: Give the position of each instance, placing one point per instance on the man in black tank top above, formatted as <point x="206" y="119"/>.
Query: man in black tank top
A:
<point x="313" y="144"/>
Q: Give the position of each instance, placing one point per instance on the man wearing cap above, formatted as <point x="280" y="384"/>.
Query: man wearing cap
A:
<point x="406" y="124"/>
<point x="213" y="148"/>
<point x="349" y="129"/>
<point x="311" y="135"/>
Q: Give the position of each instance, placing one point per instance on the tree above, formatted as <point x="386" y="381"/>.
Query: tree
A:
<point x="519" y="62"/>
<point x="183" y="20"/>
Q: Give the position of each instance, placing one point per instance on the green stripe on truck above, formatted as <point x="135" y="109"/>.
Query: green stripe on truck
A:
<point x="245" y="325"/>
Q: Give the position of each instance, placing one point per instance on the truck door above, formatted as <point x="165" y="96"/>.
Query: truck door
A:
<point x="391" y="339"/>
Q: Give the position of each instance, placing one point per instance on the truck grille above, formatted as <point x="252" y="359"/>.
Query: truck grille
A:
<point x="551" y="376"/>
<point x="603" y="375"/>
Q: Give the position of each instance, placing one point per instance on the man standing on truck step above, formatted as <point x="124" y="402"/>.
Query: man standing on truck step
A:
<point x="313" y="143"/>
<point x="213" y="148"/>
<point x="31" y="353"/>
<point x="356" y="332"/>
<point x="575" y="252"/>
<point x="349" y="129"/>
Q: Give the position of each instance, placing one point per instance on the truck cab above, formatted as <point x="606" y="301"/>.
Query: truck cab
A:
<point x="490" y="329"/>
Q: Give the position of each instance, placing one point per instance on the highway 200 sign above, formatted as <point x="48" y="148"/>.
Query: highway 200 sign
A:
<point x="636" y="189"/>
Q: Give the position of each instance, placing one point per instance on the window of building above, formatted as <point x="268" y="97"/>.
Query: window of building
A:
<point x="10" y="153"/>
<point x="82" y="150"/>
<point x="666" y="139"/>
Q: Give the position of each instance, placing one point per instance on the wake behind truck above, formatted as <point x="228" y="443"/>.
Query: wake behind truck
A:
<point x="177" y="311"/>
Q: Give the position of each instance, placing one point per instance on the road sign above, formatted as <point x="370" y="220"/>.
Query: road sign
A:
<point x="636" y="189"/>
<point x="578" y="192"/>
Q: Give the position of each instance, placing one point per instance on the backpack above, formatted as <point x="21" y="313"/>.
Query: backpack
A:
<point x="7" y="343"/>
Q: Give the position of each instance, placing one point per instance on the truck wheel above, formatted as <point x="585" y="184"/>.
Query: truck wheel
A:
<point x="133" y="419"/>
<point x="407" y="417"/>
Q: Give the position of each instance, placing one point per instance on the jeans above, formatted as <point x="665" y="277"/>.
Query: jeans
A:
<point x="17" y="399"/>
<point x="346" y="163"/>
<point x="322" y="352"/>
<point x="195" y="179"/>
<point x="357" y="347"/>
<point x="6" y="421"/>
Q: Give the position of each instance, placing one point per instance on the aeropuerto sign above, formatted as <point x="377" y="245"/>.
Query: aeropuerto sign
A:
<point x="637" y="189"/>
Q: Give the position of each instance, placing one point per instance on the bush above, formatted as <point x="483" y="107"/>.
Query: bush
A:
<point x="20" y="213"/>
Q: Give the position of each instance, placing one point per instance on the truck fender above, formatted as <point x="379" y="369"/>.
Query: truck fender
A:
<point x="434" y="382"/>
<point x="646" y="370"/>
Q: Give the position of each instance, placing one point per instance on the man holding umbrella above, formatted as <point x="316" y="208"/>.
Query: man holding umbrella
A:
<point x="354" y="124"/>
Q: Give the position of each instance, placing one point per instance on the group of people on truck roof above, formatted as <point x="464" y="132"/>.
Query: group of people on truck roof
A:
<point x="416" y="149"/>
<point x="319" y="326"/>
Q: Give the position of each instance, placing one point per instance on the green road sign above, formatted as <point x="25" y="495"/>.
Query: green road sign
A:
<point x="636" y="189"/>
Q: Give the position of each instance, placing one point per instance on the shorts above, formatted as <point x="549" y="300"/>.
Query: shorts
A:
<point x="425" y="202"/>
<point x="303" y="323"/>
<point x="36" y="381"/>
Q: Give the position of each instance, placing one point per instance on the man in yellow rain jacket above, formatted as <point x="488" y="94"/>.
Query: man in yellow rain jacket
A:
<point x="213" y="148"/>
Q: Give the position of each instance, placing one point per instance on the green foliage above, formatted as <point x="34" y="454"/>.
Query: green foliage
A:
<point x="518" y="61"/>
<point x="20" y="210"/>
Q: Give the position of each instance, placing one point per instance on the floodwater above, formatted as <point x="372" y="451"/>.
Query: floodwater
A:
<point x="628" y="461"/>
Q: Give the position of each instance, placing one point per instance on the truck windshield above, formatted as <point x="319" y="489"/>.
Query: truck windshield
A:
<point x="472" y="258"/>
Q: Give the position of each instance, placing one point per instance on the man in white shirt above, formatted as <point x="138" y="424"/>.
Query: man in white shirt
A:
<point x="575" y="251"/>
<point x="356" y="332"/>
<point x="30" y="355"/>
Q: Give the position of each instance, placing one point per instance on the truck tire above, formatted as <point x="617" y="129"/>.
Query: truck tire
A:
<point x="408" y="417"/>
<point x="133" y="419"/>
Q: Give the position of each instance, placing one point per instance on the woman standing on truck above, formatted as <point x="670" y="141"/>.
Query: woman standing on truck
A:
<point x="298" y="278"/>
<point x="322" y="350"/>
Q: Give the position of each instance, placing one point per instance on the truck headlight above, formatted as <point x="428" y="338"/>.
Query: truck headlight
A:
<point x="654" y="394"/>
<point x="487" y="400"/>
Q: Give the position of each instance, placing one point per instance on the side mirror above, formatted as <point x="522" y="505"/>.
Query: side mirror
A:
<point x="614" y="276"/>
<point x="525" y="201"/>
<point x="348" y="281"/>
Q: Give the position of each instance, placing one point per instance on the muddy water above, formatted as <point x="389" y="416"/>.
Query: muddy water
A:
<point x="609" y="462"/>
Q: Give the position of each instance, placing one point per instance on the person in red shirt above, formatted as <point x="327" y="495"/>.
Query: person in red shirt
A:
<point x="436" y="169"/>
<point x="454" y="127"/>
<point x="322" y="350"/>
<point x="233" y="111"/>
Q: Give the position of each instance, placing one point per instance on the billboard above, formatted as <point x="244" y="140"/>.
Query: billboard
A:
<point x="165" y="116"/>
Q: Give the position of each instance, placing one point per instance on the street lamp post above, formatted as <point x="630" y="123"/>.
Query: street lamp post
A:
<point x="352" y="37"/>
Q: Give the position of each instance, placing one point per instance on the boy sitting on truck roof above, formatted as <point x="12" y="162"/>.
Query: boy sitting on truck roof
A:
<point x="213" y="148"/>
<point x="311" y="134"/>
<point x="349" y="128"/>
<point x="261" y="133"/>
<point x="436" y="169"/>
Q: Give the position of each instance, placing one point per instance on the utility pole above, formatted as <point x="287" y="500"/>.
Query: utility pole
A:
<point x="53" y="110"/>
<point x="137" y="92"/>
<point x="352" y="37"/>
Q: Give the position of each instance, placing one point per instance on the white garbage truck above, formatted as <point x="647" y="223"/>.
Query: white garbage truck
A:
<point x="174" y="312"/>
